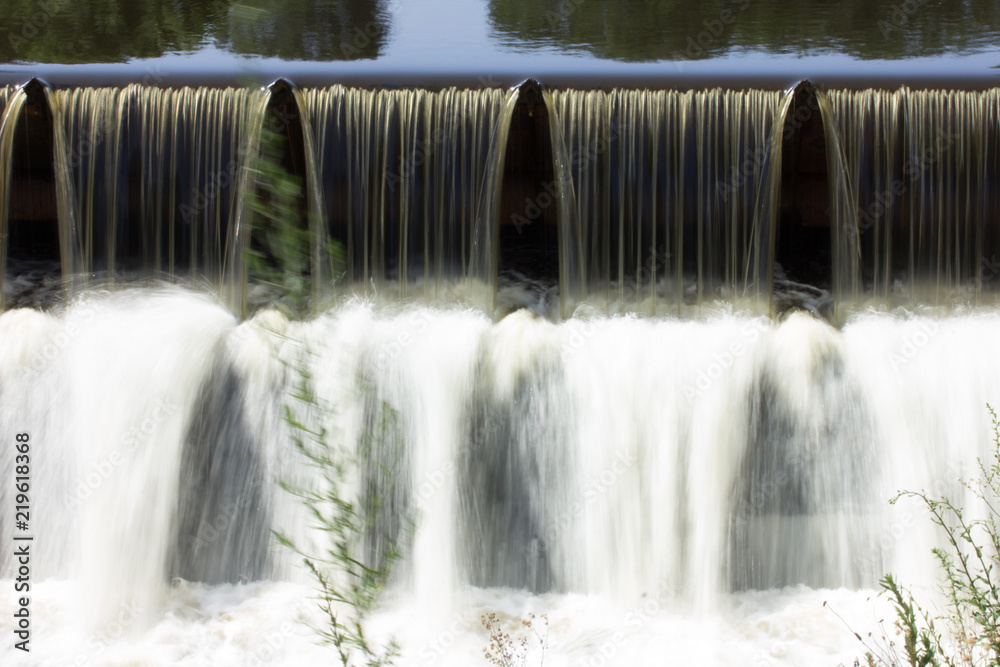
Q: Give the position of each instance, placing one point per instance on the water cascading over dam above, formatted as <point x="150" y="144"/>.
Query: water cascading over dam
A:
<point x="767" y="313"/>
<point x="680" y="191"/>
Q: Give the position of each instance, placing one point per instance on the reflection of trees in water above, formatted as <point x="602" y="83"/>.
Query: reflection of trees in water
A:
<point x="84" y="31"/>
<point x="692" y="29"/>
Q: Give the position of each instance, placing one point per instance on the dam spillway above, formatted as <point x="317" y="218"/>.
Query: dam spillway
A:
<point x="648" y="358"/>
<point x="659" y="199"/>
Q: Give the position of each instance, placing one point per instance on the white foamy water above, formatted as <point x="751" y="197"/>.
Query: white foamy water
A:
<point x="663" y="490"/>
<point x="265" y="624"/>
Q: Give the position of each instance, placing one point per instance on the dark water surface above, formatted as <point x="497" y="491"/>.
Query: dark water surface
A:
<point x="496" y="42"/>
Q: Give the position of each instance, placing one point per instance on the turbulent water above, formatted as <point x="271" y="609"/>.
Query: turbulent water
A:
<point x="690" y="490"/>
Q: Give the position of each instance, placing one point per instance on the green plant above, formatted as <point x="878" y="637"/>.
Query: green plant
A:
<point x="971" y="584"/>
<point x="504" y="651"/>
<point x="349" y="587"/>
<point x="280" y="253"/>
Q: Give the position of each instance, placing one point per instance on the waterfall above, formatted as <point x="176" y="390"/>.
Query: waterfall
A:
<point x="686" y="460"/>
<point x="802" y="105"/>
<point x="12" y="103"/>
<point x="677" y="437"/>
<point x="922" y="165"/>
<point x="152" y="175"/>
<point x="663" y="186"/>
<point x="156" y="183"/>
<point x="404" y="173"/>
<point x="666" y="199"/>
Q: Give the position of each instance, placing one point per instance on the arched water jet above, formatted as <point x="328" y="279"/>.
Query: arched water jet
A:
<point x="13" y="102"/>
<point x="528" y="233"/>
<point x="803" y="226"/>
<point x="32" y="231"/>
<point x="787" y="208"/>
<point x="28" y="133"/>
<point x="33" y="197"/>
<point x="285" y="246"/>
